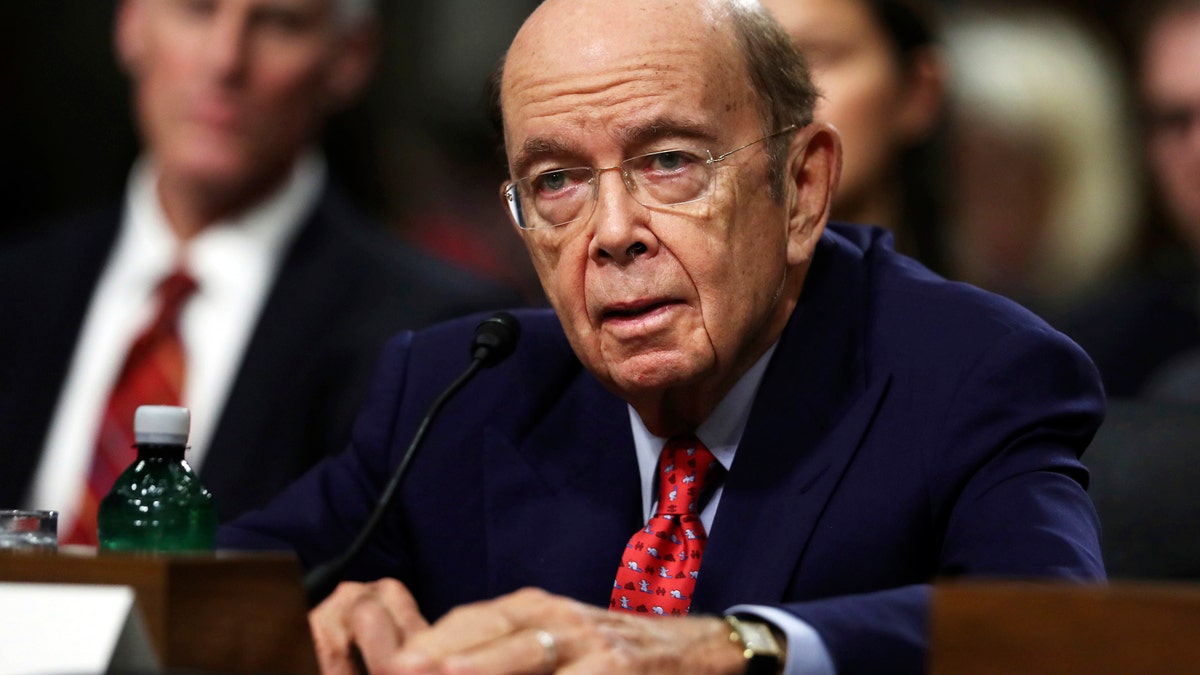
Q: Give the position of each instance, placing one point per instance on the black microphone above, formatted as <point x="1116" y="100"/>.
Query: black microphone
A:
<point x="494" y="340"/>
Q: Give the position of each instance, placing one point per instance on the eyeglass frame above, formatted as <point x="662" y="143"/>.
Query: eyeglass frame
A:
<point x="509" y="188"/>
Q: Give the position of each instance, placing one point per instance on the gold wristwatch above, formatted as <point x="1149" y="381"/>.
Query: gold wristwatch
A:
<point x="764" y="653"/>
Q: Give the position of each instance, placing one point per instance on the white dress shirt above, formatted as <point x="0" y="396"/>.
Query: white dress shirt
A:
<point x="721" y="433"/>
<point x="234" y="263"/>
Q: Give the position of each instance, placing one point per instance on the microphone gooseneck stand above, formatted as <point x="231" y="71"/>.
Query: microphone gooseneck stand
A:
<point x="495" y="338"/>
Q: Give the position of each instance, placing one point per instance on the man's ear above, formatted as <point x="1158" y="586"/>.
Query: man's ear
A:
<point x="813" y="168"/>
<point x="353" y="63"/>
<point x="129" y="35"/>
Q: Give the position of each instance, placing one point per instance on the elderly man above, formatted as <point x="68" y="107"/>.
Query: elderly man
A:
<point x="733" y="409"/>
<point x="274" y="293"/>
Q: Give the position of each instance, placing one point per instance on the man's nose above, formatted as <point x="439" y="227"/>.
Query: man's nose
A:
<point x="229" y="45"/>
<point x="621" y="224"/>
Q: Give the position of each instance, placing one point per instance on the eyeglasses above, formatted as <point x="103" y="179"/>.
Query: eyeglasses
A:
<point x="666" y="178"/>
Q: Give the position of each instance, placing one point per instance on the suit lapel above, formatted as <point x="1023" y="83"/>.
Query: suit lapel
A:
<point x="295" y="317"/>
<point x="812" y="410"/>
<point x="562" y="502"/>
<point x="772" y="502"/>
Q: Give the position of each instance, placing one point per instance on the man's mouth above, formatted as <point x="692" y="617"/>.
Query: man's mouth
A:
<point x="637" y="309"/>
<point x="216" y="114"/>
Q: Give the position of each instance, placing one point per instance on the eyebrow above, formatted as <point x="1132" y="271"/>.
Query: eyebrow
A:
<point x="664" y="127"/>
<point x="632" y="138"/>
<point x="536" y="148"/>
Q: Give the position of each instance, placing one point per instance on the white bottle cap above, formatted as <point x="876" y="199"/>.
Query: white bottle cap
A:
<point x="161" y="424"/>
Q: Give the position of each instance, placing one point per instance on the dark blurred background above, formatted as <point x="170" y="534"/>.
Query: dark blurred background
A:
<point x="417" y="151"/>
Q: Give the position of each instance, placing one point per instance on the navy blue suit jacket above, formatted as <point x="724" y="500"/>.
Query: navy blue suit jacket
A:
<point x="906" y="429"/>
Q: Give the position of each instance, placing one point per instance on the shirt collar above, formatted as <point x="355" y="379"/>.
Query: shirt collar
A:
<point x="147" y="249"/>
<point x="720" y="433"/>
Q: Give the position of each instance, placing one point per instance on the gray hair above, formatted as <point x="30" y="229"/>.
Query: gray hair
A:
<point x="779" y="76"/>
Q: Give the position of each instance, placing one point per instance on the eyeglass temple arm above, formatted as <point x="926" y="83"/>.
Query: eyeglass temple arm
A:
<point x="714" y="160"/>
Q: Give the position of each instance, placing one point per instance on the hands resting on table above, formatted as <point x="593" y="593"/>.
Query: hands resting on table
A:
<point x="529" y="631"/>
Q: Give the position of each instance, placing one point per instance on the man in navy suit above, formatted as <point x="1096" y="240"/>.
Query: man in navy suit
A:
<point x="296" y="289"/>
<point x="879" y="426"/>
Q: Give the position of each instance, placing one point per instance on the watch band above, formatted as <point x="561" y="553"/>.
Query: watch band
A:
<point x="763" y="652"/>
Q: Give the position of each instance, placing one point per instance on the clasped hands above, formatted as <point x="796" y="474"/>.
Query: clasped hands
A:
<point x="529" y="631"/>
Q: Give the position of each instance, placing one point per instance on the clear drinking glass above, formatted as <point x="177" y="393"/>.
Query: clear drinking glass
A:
<point x="28" y="530"/>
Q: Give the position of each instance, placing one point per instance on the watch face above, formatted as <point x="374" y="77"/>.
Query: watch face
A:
<point x="764" y="653"/>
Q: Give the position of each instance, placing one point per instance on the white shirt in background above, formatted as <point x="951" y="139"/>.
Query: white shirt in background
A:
<point x="234" y="263"/>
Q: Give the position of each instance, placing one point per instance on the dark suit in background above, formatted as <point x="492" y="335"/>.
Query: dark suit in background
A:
<point x="1137" y="327"/>
<point x="344" y="285"/>
<point x="906" y="429"/>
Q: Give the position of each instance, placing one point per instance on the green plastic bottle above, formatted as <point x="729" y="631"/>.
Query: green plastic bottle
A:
<point x="158" y="503"/>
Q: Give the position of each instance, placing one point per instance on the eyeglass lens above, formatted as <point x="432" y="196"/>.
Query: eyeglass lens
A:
<point x="657" y="179"/>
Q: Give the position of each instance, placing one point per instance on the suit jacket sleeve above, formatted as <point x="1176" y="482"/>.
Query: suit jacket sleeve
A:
<point x="1006" y="495"/>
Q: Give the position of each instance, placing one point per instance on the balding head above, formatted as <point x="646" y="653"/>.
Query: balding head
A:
<point x="565" y="39"/>
<point x="588" y="24"/>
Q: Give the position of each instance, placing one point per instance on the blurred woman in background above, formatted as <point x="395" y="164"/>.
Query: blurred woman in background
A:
<point x="1045" y="173"/>
<point x="880" y="74"/>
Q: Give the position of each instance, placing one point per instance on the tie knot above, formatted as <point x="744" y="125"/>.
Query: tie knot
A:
<point x="685" y="469"/>
<point x="173" y="291"/>
<point x="177" y="285"/>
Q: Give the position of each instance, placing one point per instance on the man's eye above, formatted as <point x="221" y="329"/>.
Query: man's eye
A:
<point x="670" y="161"/>
<point x="1175" y="121"/>
<point x="284" y="20"/>
<point x="668" y="165"/>
<point x="560" y="183"/>
<point x="551" y="181"/>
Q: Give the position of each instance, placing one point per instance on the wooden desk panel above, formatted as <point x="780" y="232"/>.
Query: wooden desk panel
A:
<point x="1064" y="629"/>
<point x="222" y="612"/>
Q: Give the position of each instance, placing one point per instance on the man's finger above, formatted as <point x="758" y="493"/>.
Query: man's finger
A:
<point x="462" y="629"/>
<point x="374" y="631"/>
<point x="380" y="614"/>
<point x="525" y="651"/>
<point x="401" y="606"/>
<point x="332" y="638"/>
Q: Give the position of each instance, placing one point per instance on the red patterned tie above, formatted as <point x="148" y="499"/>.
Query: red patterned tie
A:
<point x="153" y="374"/>
<point x="662" y="560"/>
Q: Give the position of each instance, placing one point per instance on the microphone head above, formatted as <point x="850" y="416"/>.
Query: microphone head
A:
<point x="495" y="338"/>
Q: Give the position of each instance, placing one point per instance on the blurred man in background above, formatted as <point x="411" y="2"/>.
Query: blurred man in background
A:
<point x="233" y="279"/>
<point x="1144" y="329"/>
